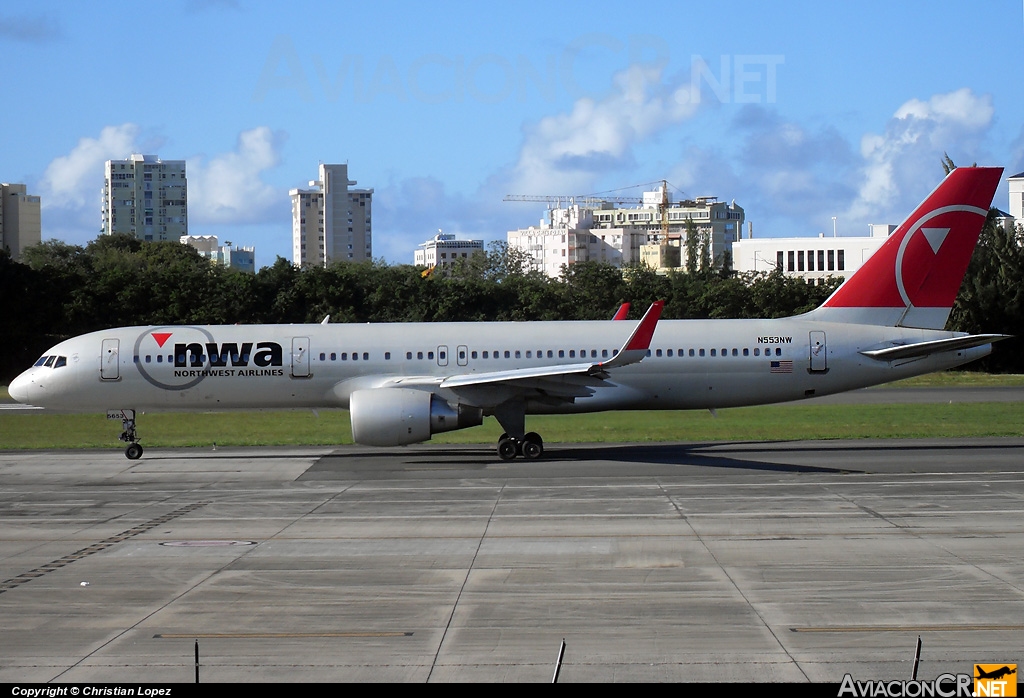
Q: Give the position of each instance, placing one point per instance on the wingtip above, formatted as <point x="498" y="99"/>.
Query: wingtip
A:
<point x="641" y="339"/>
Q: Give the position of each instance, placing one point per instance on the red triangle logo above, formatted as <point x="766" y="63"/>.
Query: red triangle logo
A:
<point x="161" y="337"/>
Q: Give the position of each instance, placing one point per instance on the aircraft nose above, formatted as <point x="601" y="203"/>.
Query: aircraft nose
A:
<point x="19" y="388"/>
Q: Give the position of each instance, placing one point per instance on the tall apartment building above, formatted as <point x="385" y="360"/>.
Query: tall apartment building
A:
<point x="330" y="222"/>
<point x="145" y="197"/>
<point x="598" y="231"/>
<point x="20" y="221"/>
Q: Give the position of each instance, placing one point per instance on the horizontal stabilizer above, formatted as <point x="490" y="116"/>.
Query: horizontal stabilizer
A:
<point x="921" y="349"/>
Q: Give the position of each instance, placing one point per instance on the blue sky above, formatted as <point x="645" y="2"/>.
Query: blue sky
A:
<point x="799" y="111"/>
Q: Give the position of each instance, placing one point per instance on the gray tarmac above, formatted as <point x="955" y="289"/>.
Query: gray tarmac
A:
<point x="798" y="561"/>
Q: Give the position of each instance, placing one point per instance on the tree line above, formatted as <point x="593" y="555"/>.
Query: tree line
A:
<point x="60" y="290"/>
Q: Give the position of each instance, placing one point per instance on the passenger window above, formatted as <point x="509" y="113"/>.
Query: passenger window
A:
<point x="486" y="355"/>
<point x="529" y="354"/>
<point x="669" y="352"/>
<point x="334" y="356"/>
<point x="702" y="352"/>
<point x="735" y="352"/>
<point x="604" y="353"/>
<point x="561" y="353"/>
<point x="517" y="354"/>
<point x="419" y="355"/>
<point x="746" y="352"/>
<point x="387" y="356"/>
<point x="572" y="353"/>
<point x="690" y="352"/>
<point x="713" y="352"/>
<point x="408" y="356"/>
<point x="757" y="351"/>
<point x="323" y="356"/>
<point x="550" y="355"/>
<point x="658" y="353"/>
<point x="472" y="354"/>
<point x="778" y="351"/>
<point x="430" y="355"/>
<point x="160" y="359"/>
<point x="506" y="354"/>
<point x="366" y="356"/>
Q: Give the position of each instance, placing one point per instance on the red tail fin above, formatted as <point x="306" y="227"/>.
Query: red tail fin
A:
<point x="913" y="278"/>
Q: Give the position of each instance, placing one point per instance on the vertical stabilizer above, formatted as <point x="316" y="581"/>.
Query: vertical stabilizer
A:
<point x="913" y="278"/>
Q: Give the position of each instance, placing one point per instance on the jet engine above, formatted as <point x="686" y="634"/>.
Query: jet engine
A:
<point x="399" y="416"/>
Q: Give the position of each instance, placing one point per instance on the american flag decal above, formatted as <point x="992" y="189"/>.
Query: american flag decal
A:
<point x="781" y="367"/>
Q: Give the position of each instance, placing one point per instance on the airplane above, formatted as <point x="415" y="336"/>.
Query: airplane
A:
<point x="404" y="382"/>
<point x="995" y="674"/>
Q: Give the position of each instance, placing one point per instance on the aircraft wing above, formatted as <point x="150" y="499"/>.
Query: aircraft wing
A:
<point x="561" y="380"/>
<point x="922" y="349"/>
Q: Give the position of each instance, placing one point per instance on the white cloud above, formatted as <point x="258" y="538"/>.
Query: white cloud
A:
<point x="75" y="180"/>
<point x="566" y="153"/>
<point x="228" y="188"/>
<point x="903" y="164"/>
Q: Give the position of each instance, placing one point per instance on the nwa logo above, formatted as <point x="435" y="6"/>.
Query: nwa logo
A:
<point x="193" y="355"/>
<point x="198" y="355"/>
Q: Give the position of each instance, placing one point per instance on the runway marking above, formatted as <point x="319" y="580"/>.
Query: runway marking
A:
<point x="13" y="582"/>
<point x="277" y="636"/>
<point x="906" y="628"/>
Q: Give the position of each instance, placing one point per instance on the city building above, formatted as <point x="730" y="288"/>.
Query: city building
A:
<point x="806" y="257"/>
<point x="444" y="250"/>
<point x="1016" y="183"/>
<point x="20" y="220"/>
<point x="653" y="232"/>
<point x="240" y="258"/>
<point x="145" y="197"/>
<point x="330" y="222"/>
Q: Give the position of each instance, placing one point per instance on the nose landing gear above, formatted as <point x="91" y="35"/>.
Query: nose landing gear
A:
<point x="128" y="434"/>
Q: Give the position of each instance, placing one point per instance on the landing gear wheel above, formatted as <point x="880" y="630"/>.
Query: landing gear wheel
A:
<point x="507" y="449"/>
<point x="532" y="446"/>
<point x="532" y="450"/>
<point x="133" y="452"/>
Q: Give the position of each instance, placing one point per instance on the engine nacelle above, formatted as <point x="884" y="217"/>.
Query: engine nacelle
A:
<point x="399" y="416"/>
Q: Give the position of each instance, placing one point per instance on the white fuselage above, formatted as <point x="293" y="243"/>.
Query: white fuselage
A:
<point x="691" y="363"/>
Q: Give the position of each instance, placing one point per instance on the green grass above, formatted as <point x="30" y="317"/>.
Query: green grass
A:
<point x="789" y="421"/>
<point x="773" y="422"/>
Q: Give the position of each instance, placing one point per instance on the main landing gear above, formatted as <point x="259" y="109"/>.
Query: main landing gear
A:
<point x="128" y="434"/>
<point x="530" y="447"/>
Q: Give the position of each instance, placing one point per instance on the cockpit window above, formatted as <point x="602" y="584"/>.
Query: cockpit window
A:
<point x="53" y="361"/>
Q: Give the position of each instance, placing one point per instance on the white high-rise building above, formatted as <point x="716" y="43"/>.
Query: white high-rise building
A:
<point x="330" y="222"/>
<point x="20" y="222"/>
<point x="145" y="197"/>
